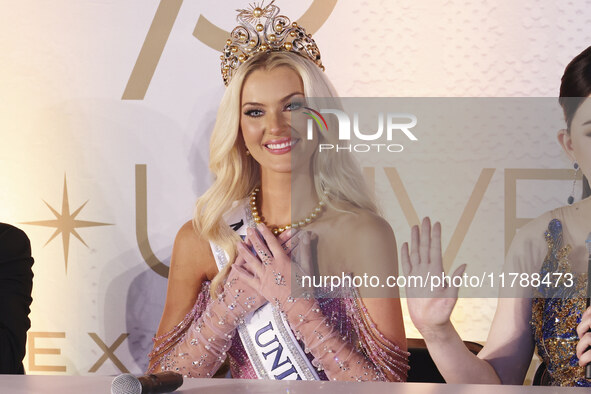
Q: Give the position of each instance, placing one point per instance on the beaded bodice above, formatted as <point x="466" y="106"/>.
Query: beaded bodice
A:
<point x="556" y="312"/>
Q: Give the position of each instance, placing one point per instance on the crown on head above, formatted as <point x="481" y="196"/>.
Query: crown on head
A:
<point x="261" y="29"/>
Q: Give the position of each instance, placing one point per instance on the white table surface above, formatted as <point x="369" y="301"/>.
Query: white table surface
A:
<point x="32" y="384"/>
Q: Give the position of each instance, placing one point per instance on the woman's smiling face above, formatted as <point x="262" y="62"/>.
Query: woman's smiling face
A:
<point x="267" y="100"/>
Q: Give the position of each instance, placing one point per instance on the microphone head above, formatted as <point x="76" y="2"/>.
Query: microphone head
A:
<point x="588" y="243"/>
<point x="126" y="384"/>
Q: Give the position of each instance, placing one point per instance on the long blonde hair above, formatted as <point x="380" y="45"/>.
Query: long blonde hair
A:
<point x="236" y="174"/>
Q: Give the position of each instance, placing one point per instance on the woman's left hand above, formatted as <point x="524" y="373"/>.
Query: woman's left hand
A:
<point x="583" y="351"/>
<point x="270" y="269"/>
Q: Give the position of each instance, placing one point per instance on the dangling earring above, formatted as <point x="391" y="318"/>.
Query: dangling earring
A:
<point x="571" y="198"/>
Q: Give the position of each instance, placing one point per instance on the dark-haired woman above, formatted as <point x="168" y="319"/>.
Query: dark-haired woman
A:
<point x="555" y="320"/>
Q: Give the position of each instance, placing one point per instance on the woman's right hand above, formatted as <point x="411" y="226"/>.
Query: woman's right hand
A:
<point x="248" y="275"/>
<point x="431" y="304"/>
<point x="584" y="345"/>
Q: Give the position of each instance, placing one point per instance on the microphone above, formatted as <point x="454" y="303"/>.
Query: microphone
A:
<point x="157" y="383"/>
<point x="588" y="243"/>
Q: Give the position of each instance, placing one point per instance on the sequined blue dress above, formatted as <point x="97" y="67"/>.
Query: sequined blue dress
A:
<point x="556" y="312"/>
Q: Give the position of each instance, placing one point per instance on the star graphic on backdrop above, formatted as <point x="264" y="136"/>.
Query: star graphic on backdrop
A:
<point x="66" y="223"/>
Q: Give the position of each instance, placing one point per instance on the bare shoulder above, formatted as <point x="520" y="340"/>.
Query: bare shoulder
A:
<point x="535" y="228"/>
<point x="367" y="226"/>
<point x="576" y="218"/>
<point x="529" y="245"/>
<point x="191" y="254"/>
<point x="527" y="252"/>
<point x="365" y="240"/>
<point x="191" y="264"/>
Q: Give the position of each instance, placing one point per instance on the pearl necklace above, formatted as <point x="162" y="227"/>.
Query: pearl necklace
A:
<point x="278" y="230"/>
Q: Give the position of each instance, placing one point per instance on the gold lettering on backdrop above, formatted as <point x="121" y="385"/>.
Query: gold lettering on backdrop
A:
<point x="210" y="34"/>
<point x="467" y="216"/>
<point x="402" y="195"/>
<point x="316" y="15"/>
<point x="512" y="175"/>
<point x="152" y="49"/>
<point x="33" y="351"/>
<point x="141" y="222"/>
<point x="109" y="352"/>
<point x="205" y="31"/>
<point x="465" y="219"/>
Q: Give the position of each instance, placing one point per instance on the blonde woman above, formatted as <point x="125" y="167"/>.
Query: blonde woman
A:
<point x="230" y="285"/>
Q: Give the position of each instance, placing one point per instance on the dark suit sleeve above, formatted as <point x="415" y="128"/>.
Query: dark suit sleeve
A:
<point x="16" y="283"/>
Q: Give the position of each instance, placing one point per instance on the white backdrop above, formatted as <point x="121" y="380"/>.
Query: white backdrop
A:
<point x="63" y="121"/>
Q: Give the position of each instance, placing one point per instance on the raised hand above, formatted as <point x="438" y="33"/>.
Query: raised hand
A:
<point x="429" y="306"/>
<point x="269" y="269"/>
<point x="237" y="288"/>
<point x="583" y="350"/>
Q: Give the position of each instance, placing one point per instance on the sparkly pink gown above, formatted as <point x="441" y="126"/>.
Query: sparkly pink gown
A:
<point x="347" y="314"/>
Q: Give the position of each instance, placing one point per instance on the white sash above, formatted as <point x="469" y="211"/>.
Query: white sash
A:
<point x="271" y="346"/>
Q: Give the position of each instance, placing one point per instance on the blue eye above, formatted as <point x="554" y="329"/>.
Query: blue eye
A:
<point x="254" y="113"/>
<point x="294" y="106"/>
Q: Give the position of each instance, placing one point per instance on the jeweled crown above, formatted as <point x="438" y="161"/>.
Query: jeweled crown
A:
<point x="262" y="29"/>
